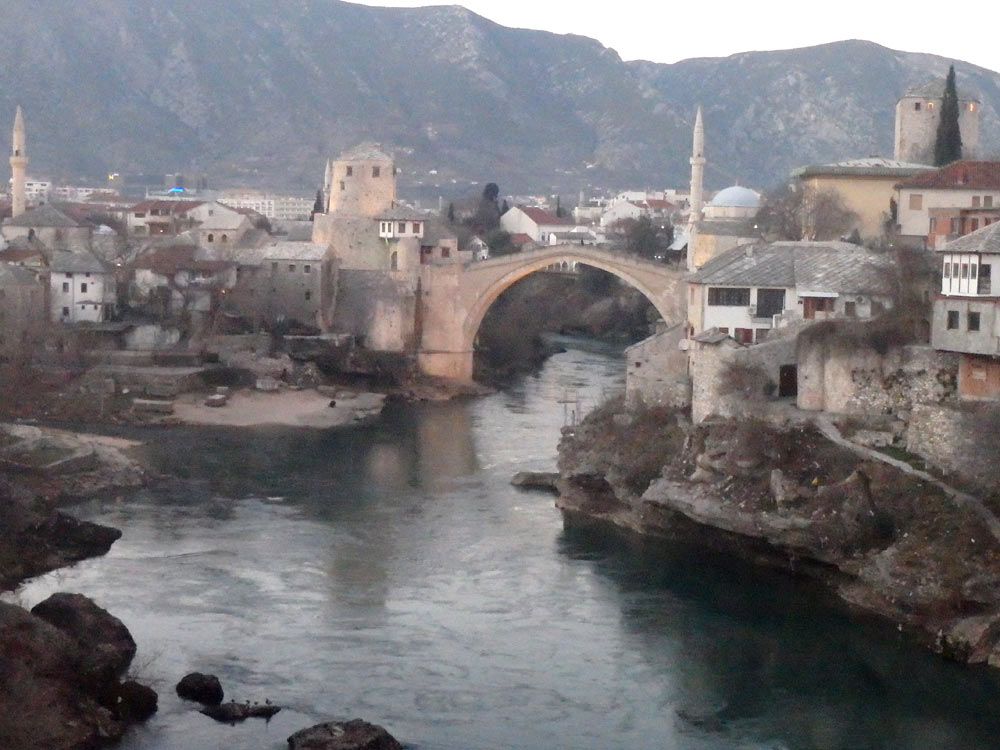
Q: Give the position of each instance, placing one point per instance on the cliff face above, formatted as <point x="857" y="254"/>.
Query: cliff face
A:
<point x="881" y="539"/>
<point x="262" y="91"/>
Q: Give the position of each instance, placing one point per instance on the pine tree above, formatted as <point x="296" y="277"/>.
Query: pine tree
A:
<point x="317" y="205"/>
<point x="948" y="143"/>
<point x="451" y="213"/>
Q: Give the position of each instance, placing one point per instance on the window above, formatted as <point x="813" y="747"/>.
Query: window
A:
<point x="65" y="312"/>
<point x="727" y="297"/>
<point x="972" y="270"/>
<point x="445" y="252"/>
<point x="933" y="226"/>
<point x="274" y="268"/>
<point x="851" y="309"/>
<point x="225" y="238"/>
<point x="954" y="229"/>
<point x="916" y="106"/>
<point x="953" y="320"/>
<point x="309" y="295"/>
<point x="984" y="286"/>
<point x="401" y="227"/>
<point x="987" y="201"/>
<point x="65" y="286"/>
<point x="211" y="237"/>
<point x="947" y="270"/>
<point x="342" y="186"/>
<point x="350" y="171"/>
<point x="972" y="321"/>
<point x="69" y="276"/>
<point x="916" y="201"/>
<point x="83" y="288"/>
<point x="743" y="335"/>
<point x="376" y="171"/>
<point x="416" y="227"/>
<point x="965" y="270"/>
<point x="291" y="266"/>
<point x="211" y="212"/>
<point x="972" y="107"/>
<point x="307" y="269"/>
<point x="975" y="201"/>
<point x="770" y="302"/>
<point x="140" y="214"/>
<point x="930" y="105"/>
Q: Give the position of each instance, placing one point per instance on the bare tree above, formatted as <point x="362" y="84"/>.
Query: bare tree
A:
<point x="792" y="212"/>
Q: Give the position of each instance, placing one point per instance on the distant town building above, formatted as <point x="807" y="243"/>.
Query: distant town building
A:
<point x="56" y="229"/>
<point x="918" y="112"/>
<point x="81" y="288"/>
<point x="535" y="222"/>
<point x="965" y="311"/>
<point x="274" y="207"/>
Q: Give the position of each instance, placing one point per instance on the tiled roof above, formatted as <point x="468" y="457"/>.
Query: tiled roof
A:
<point x="402" y="213"/>
<point x="935" y="90"/>
<point x="171" y="207"/>
<point x="985" y="240"/>
<point x="873" y="166"/>
<point x="835" y="267"/>
<point x="541" y="216"/>
<point x="281" y="251"/>
<point x="171" y="259"/>
<point x="960" y="175"/>
<point x="10" y="274"/>
<point x="520" y="238"/>
<point x="367" y="151"/>
<point x="44" y="216"/>
<point x="66" y="262"/>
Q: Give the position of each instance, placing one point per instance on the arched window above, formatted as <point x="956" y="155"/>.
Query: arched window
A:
<point x="394" y="261"/>
<point x="211" y="237"/>
<point x="225" y="238"/>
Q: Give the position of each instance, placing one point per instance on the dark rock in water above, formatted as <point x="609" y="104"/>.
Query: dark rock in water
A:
<point x="355" y="734"/>
<point x="233" y="712"/>
<point x="536" y="480"/>
<point x="106" y="645"/>
<point x="135" y="702"/>
<point x="203" y="688"/>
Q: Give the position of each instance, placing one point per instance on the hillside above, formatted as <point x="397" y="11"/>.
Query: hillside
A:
<point x="260" y="92"/>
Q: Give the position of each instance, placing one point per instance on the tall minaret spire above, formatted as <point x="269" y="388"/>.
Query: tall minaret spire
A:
<point x="697" y="174"/>
<point x="18" y="164"/>
<point x="327" y="185"/>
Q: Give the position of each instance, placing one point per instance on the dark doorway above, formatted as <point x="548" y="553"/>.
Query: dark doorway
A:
<point x="788" y="381"/>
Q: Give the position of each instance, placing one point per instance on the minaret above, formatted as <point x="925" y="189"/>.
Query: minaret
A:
<point x="327" y="185"/>
<point x="697" y="173"/>
<point x="18" y="164"/>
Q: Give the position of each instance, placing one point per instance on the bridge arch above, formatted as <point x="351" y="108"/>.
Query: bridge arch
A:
<point x="454" y="298"/>
<point x="490" y="293"/>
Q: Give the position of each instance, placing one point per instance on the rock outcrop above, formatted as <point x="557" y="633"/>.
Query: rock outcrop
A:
<point x="355" y="734"/>
<point x="884" y="540"/>
<point x="203" y="688"/>
<point x="60" y="686"/>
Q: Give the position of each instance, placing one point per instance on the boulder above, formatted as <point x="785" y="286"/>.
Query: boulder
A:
<point x="135" y="702"/>
<point x="203" y="688"/>
<point x="536" y="480"/>
<point x="106" y="646"/>
<point x="355" y="734"/>
<point x="231" y="712"/>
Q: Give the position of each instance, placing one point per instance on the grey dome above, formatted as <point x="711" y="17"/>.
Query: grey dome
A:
<point x="736" y="197"/>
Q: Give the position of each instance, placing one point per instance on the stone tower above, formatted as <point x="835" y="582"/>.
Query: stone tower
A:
<point x="18" y="164"/>
<point x="697" y="175"/>
<point x="917" y="114"/>
<point x="362" y="182"/>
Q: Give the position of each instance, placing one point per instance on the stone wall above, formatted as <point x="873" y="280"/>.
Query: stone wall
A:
<point x="960" y="439"/>
<point x="846" y="375"/>
<point x="656" y="371"/>
<point x="377" y="309"/>
<point x="729" y="380"/>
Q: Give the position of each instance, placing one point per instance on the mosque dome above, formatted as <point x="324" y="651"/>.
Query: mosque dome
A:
<point x="736" y="197"/>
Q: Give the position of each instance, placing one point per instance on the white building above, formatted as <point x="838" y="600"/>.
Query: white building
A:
<point x="275" y="207"/>
<point x="961" y="185"/>
<point x="537" y="223"/>
<point x="747" y="291"/>
<point x="81" y="288"/>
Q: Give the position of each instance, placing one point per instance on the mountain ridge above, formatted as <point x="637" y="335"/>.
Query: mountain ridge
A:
<point x="261" y="92"/>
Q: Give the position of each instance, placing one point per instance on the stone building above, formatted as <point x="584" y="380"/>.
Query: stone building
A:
<point x="55" y="229"/>
<point x="22" y="311"/>
<point x="918" y="112"/>
<point x="965" y="311"/>
<point x="81" y="288"/>
<point x="361" y="181"/>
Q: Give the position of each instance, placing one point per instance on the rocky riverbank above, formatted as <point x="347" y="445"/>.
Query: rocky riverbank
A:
<point x="884" y="540"/>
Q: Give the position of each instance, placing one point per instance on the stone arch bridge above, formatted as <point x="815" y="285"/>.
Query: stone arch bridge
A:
<point x="454" y="298"/>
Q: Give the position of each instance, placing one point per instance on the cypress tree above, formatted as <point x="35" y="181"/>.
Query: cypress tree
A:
<point x="948" y="143"/>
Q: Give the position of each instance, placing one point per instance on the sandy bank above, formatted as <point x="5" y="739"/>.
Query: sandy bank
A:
<point x="306" y="408"/>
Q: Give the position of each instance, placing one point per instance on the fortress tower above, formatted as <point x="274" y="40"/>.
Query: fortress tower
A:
<point x="917" y="114"/>
<point x="362" y="182"/>
<point x="18" y="165"/>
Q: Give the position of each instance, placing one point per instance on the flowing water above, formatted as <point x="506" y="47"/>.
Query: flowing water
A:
<point x="391" y="572"/>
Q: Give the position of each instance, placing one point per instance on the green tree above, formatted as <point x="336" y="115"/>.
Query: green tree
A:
<point x="451" y="213"/>
<point x="641" y="237"/>
<point x="317" y="205"/>
<point x="948" y="142"/>
<point x="487" y="216"/>
<point x="559" y="209"/>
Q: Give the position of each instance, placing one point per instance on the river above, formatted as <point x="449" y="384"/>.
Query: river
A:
<point x="391" y="572"/>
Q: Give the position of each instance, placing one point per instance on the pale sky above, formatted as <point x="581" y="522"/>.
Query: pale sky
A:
<point x="672" y="31"/>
